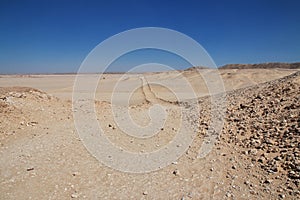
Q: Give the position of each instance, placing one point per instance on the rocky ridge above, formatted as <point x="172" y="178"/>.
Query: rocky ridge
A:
<point x="262" y="66"/>
<point x="263" y="125"/>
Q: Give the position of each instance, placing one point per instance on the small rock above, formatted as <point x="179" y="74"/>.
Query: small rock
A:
<point x="268" y="181"/>
<point x="245" y="152"/>
<point x="246" y="182"/>
<point x="145" y="193"/>
<point x="282" y="196"/>
<point x="253" y="151"/>
<point x="228" y="194"/>
<point x="30" y="169"/>
<point x="261" y="159"/>
<point x="252" y="192"/>
<point x="111" y="126"/>
<point x="74" y="195"/>
<point x="190" y="194"/>
<point x="75" y="173"/>
<point x="176" y="172"/>
<point x="31" y="123"/>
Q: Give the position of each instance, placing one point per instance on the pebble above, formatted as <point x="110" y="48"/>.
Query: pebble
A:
<point x="268" y="181"/>
<point x="246" y="182"/>
<point x="176" y="172"/>
<point x="30" y="169"/>
<point x="74" y="195"/>
<point x="282" y="196"/>
<point x="228" y="194"/>
<point x="75" y="173"/>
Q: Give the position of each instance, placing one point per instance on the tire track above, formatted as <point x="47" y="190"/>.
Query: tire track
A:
<point x="150" y="96"/>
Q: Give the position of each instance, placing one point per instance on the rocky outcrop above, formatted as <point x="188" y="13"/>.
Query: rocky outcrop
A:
<point x="263" y="66"/>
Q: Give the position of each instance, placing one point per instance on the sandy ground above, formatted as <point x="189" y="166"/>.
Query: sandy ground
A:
<point x="255" y="157"/>
<point x="61" y="86"/>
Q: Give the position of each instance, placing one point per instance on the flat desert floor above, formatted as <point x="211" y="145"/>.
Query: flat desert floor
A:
<point x="256" y="155"/>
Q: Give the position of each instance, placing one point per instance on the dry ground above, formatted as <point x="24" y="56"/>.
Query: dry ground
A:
<point x="255" y="157"/>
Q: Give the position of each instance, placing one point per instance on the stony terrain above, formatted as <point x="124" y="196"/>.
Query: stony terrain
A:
<point x="255" y="157"/>
<point x="262" y="66"/>
<point x="262" y="129"/>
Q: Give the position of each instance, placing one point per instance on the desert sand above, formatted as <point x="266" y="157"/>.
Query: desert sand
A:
<point x="256" y="156"/>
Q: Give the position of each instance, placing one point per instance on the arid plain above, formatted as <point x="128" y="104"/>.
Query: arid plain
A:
<point x="256" y="156"/>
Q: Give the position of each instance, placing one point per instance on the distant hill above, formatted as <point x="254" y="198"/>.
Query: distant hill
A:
<point x="195" y="68"/>
<point x="262" y="66"/>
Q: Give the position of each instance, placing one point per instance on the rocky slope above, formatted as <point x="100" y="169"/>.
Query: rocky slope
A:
<point x="262" y="66"/>
<point x="263" y="125"/>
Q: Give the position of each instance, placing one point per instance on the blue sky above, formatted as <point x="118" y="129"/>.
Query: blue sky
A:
<point x="55" y="36"/>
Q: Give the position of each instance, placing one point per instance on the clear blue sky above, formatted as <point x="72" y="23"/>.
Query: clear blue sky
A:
<point x="55" y="36"/>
